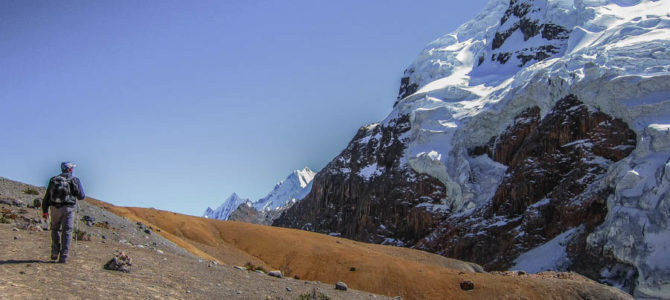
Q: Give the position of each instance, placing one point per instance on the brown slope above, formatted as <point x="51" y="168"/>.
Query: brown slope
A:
<point x="380" y="269"/>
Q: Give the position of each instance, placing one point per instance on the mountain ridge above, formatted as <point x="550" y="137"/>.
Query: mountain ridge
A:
<point x="464" y="113"/>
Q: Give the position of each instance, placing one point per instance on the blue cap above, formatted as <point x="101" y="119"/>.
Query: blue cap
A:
<point x="64" y="166"/>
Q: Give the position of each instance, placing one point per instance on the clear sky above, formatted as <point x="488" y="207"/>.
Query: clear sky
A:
<point x="177" y="104"/>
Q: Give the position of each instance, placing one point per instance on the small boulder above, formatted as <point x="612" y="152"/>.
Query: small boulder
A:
<point x="467" y="285"/>
<point x="120" y="262"/>
<point x="37" y="203"/>
<point x="88" y="220"/>
<point x="275" y="273"/>
<point x="341" y="286"/>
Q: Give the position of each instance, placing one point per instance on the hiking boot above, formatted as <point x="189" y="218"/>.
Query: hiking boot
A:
<point x="54" y="256"/>
<point x="62" y="261"/>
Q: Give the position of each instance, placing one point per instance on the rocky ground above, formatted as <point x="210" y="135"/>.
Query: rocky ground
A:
<point x="157" y="242"/>
<point x="160" y="269"/>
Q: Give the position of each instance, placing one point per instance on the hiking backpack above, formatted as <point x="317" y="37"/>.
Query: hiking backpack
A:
<point x="62" y="190"/>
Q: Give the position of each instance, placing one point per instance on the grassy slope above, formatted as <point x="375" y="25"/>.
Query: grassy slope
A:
<point x="380" y="269"/>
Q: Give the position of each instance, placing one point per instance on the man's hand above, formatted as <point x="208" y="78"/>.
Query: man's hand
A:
<point x="45" y="215"/>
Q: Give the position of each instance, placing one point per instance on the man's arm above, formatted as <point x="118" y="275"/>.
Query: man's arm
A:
<point x="80" y="195"/>
<point x="46" y="201"/>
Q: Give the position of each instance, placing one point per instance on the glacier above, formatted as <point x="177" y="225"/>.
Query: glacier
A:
<point x="612" y="54"/>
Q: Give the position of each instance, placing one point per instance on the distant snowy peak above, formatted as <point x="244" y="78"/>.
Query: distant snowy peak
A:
<point x="294" y="188"/>
<point x="226" y="208"/>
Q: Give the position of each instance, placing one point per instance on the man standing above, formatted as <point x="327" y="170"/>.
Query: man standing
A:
<point x="62" y="194"/>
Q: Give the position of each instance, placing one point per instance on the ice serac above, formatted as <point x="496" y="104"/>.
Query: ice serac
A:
<point x="226" y="208"/>
<point x="539" y="126"/>
<point x="286" y="193"/>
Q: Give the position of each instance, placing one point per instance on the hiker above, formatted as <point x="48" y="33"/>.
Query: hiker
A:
<point x="62" y="194"/>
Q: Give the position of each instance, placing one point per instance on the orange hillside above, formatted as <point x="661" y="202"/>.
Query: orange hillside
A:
<point x="386" y="270"/>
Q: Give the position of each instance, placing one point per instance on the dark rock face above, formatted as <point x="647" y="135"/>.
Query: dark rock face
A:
<point x="522" y="16"/>
<point x="248" y="214"/>
<point x="552" y="162"/>
<point x="406" y="86"/>
<point x="367" y="194"/>
<point x="245" y="213"/>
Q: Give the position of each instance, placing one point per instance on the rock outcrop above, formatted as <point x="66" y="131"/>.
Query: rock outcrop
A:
<point x="368" y="193"/>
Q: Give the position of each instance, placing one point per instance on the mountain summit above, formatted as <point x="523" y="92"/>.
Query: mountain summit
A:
<point x="226" y="208"/>
<point x="287" y="192"/>
<point x="294" y="188"/>
<point x="538" y="129"/>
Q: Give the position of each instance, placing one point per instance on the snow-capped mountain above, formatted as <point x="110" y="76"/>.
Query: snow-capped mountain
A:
<point x="294" y="188"/>
<point x="263" y="211"/>
<point x="539" y="128"/>
<point x="226" y="208"/>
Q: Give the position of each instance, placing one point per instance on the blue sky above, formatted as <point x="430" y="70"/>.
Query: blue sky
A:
<point x="177" y="104"/>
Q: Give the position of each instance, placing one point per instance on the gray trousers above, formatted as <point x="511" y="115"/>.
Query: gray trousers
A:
<point x="62" y="222"/>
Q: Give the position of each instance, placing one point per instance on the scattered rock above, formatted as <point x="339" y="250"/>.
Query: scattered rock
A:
<point x="147" y="231"/>
<point x="467" y="285"/>
<point x="15" y="229"/>
<point x="160" y="251"/>
<point x="212" y="264"/>
<point x="12" y="202"/>
<point x="22" y="272"/>
<point x="522" y="273"/>
<point x="240" y="268"/>
<point x="34" y="228"/>
<point x="239" y="292"/>
<point x="188" y="291"/>
<point x="288" y="289"/>
<point x="397" y="298"/>
<point x="341" y="286"/>
<point x="16" y="237"/>
<point x="296" y="277"/>
<point x="88" y="220"/>
<point x="352" y="269"/>
<point x="37" y="203"/>
<point x="275" y="273"/>
<point x="120" y="262"/>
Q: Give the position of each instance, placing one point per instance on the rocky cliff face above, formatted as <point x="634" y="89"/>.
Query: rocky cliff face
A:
<point x="552" y="162"/>
<point x="535" y="136"/>
<point x="368" y="192"/>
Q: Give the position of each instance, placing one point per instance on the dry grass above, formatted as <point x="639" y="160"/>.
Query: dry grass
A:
<point x="379" y="269"/>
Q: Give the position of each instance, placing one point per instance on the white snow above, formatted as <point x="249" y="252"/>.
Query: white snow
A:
<point x="287" y="192"/>
<point x="551" y="255"/>
<point x="292" y="189"/>
<point x="370" y="171"/>
<point x="616" y="60"/>
<point x="226" y="208"/>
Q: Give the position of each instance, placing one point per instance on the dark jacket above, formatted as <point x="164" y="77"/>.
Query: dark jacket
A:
<point x="79" y="193"/>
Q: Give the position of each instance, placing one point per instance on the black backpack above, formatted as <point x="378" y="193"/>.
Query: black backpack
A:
<point x="63" y="190"/>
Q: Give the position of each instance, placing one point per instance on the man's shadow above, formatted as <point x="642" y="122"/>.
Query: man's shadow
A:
<point x="23" y="261"/>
